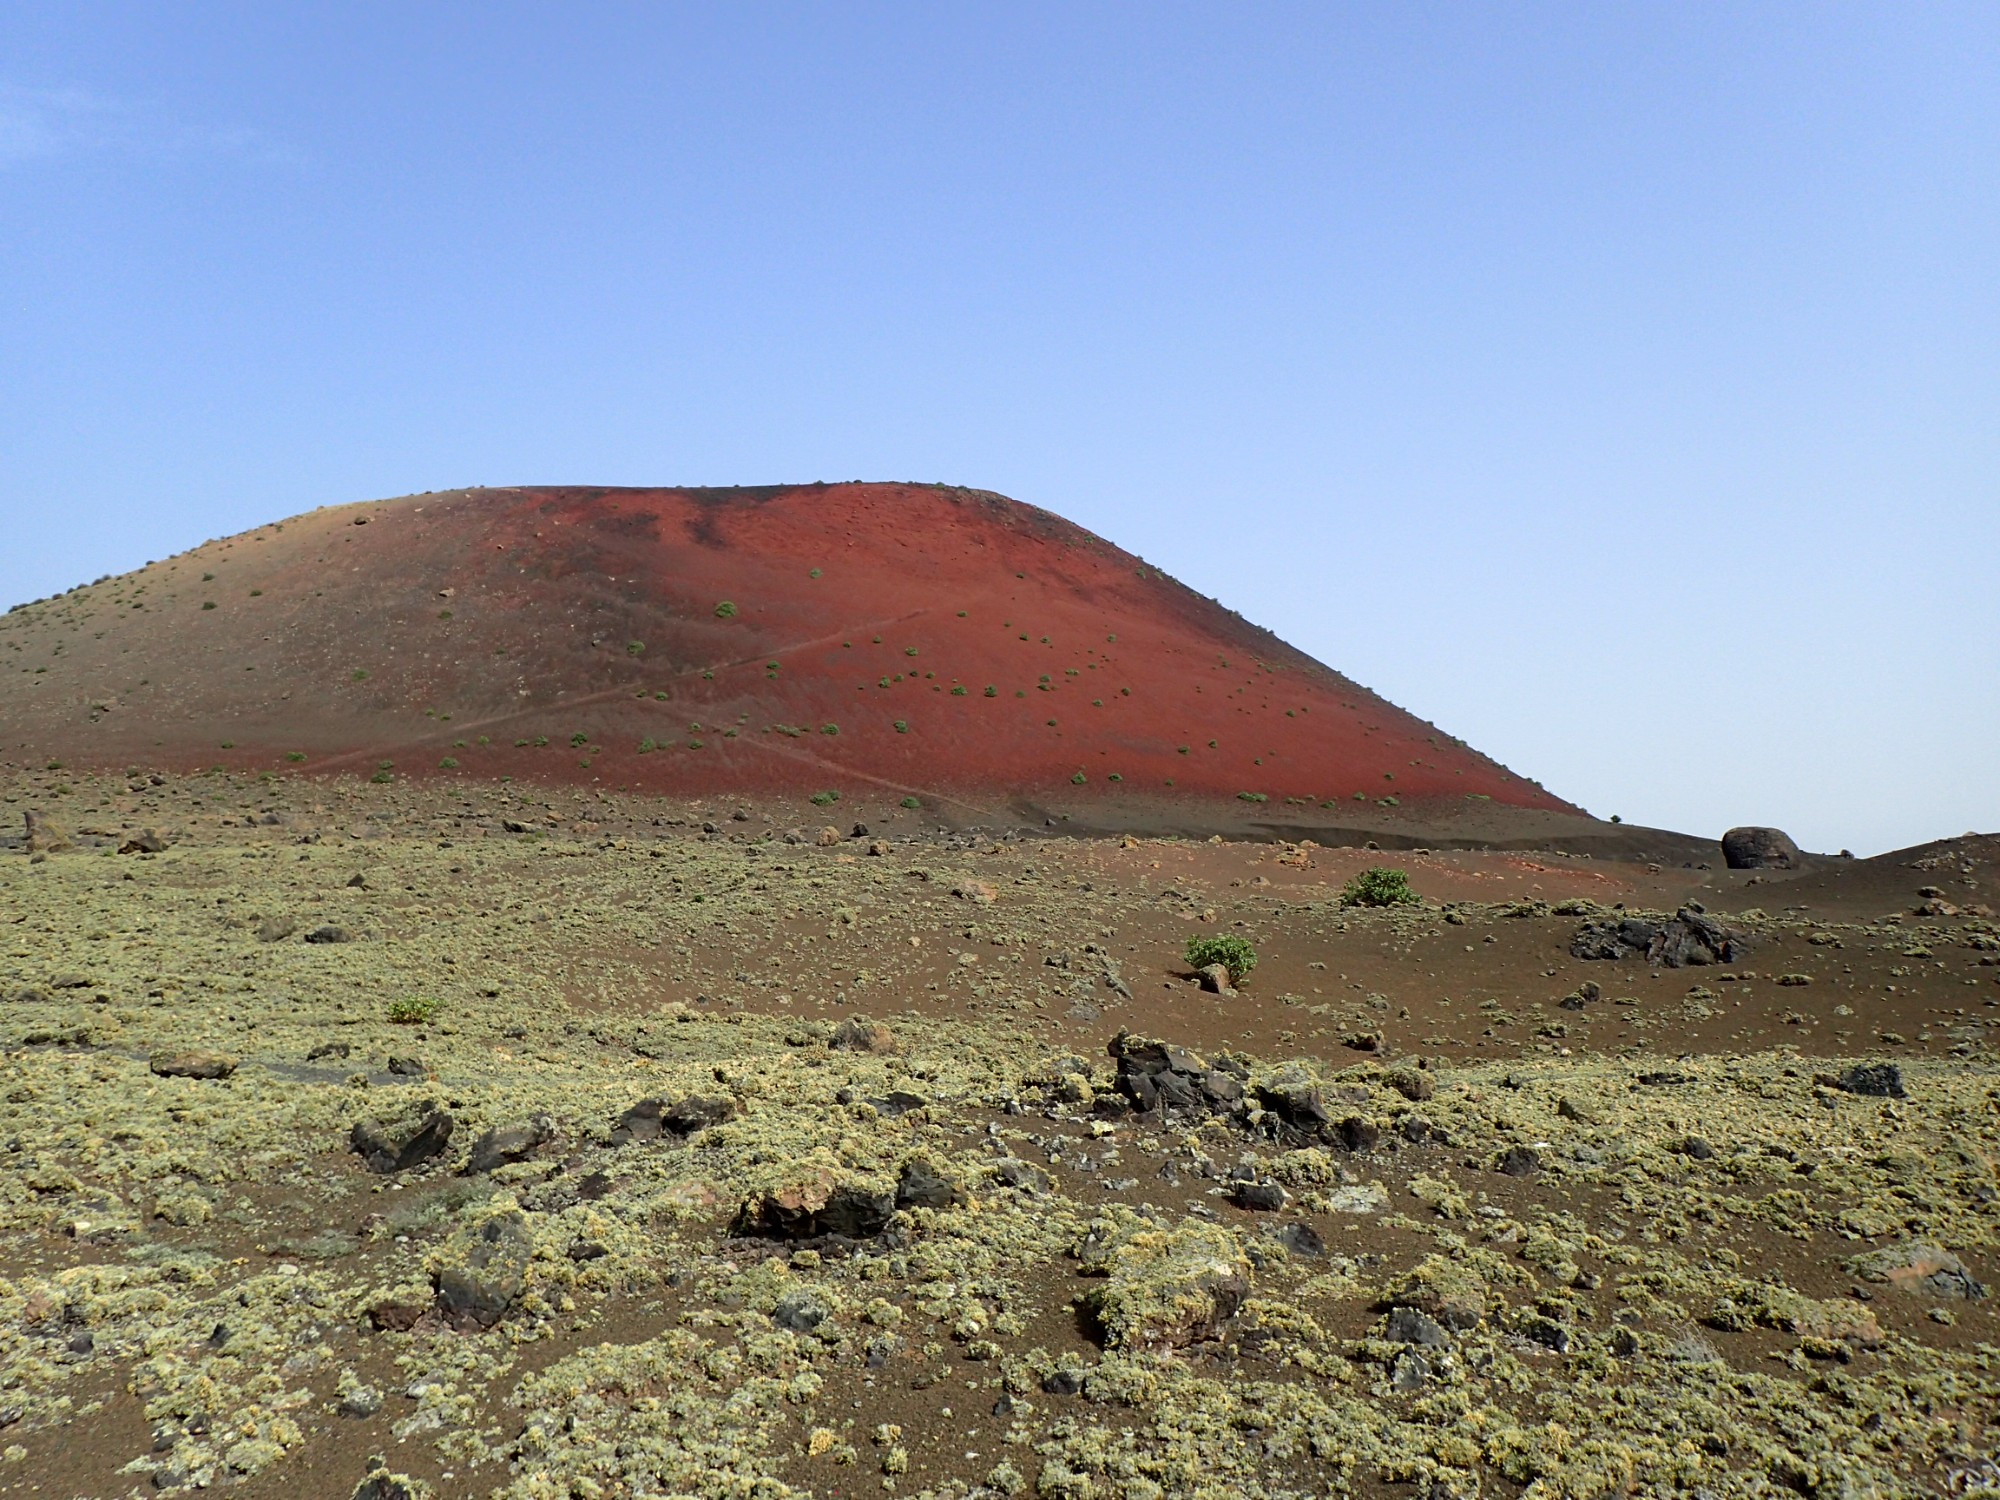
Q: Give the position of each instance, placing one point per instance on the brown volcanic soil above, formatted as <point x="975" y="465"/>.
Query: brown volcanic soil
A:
<point x="947" y="644"/>
<point x="191" y="1268"/>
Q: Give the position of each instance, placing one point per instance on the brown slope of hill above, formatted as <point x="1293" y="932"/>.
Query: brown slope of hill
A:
<point x="937" y="642"/>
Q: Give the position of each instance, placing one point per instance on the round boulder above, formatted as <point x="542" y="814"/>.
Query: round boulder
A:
<point x="1760" y="849"/>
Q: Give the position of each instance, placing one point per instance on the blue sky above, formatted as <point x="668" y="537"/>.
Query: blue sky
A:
<point x="1616" y="385"/>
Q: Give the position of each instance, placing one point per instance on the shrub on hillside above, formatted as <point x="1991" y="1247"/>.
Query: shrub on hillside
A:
<point x="1234" y="953"/>
<point x="1379" y="887"/>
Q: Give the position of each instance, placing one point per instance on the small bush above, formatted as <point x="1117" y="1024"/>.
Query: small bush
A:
<point x="912" y="802"/>
<point x="1234" y="953"/>
<point x="1078" y="779"/>
<point x="449" y="763"/>
<point x="1252" y="797"/>
<point x="412" y="1010"/>
<point x="1379" y="887"/>
<point x="825" y="799"/>
<point x="635" y="648"/>
<point x="295" y="755"/>
<point x="725" y="610"/>
<point x="902" y="726"/>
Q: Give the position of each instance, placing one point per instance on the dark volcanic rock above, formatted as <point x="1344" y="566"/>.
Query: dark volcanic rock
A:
<point x="650" y="1119"/>
<point x="191" y="1065"/>
<point x="1876" y="1080"/>
<point x="1760" y="849"/>
<point x="923" y="1186"/>
<point x="398" y="1146"/>
<point x="1692" y="937"/>
<point x="1406" y="1325"/>
<point x="327" y="934"/>
<point x="482" y="1270"/>
<point x="506" y="1143"/>
<point x="1260" y="1197"/>
<point x="815" y="1206"/>
<point x="144" y="842"/>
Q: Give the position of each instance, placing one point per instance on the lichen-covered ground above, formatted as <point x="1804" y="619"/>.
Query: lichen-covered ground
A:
<point x="1428" y="1208"/>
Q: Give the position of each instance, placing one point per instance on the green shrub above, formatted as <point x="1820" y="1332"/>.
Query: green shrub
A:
<point x="1379" y="887"/>
<point x="295" y="755"/>
<point x="1234" y="953"/>
<point x="1078" y="779"/>
<point x="912" y="802"/>
<point x="412" y="1010"/>
<point x="1252" y="797"/>
<point x="902" y="726"/>
<point x="825" y="799"/>
<point x="635" y="648"/>
<point x="449" y="763"/>
<point x="725" y="610"/>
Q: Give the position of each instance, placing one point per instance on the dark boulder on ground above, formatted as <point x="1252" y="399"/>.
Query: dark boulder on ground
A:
<point x="396" y="1146"/>
<point x="506" y="1143"/>
<point x="921" y="1185"/>
<point x="1691" y="938"/>
<point x="144" y="842"/>
<point x="650" y="1119"/>
<point x="191" y="1065"/>
<point x="1875" y="1080"/>
<point x="482" y="1269"/>
<point x="815" y="1206"/>
<point x="1760" y="849"/>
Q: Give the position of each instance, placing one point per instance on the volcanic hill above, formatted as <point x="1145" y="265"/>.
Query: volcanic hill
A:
<point x="945" y="644"/>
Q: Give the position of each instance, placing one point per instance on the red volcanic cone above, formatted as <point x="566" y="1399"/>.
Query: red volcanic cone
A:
<point x="908" y="638"/>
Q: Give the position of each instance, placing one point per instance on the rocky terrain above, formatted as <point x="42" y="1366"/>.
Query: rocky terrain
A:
<point x="380" y="1138"/>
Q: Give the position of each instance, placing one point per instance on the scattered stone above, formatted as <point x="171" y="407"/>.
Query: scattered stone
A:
<point x="827" y="838"/>
<point x="45" y="835"/>
<point x="978" y="892"/>
<point x="381" y="1484"/>
<point x="397" y="1146"/>
<point x="1163" y="1288"/>
<point x="395" y="1317"/>
<point x="145" y="842"/>
<point x="1520" y="1161"/>
<point x="1444" y="1289"/>
<point x="1215" y="980"/>
<point x="815" y="1204"/>
<point x="1760" y="849"/>
<point x="650" y="1119"/>
<point x="481" y="1269"/>
<point x="408" y="1067"/>
<point x="1691" y="938"/>
<point x="1413" y="1084"/>
<point x="921" y="1185"/>
<point x="1258" y="1197"/>
<point x="859" y="1034"/>
<point x="1918" y="1268"/>
<point x="327" y="934"/>
<point x="507" y="1143"/>
<point x="1063" y="1380"/>
<point x="1697" y="1148"/>
<point x="1410" y="1371"/>
<point x="276" y="929"/>
<point x="1406" y="1325"/>
<point x="191" y="1065"/>
<point x="361" y="1401"/>
<point x="328" y="1049"/>
<point x="1873" y="1080"/>
<point x="800" y="1312"/>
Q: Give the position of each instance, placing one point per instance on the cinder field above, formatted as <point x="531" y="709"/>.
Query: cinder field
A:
<point x="477" y="1140"/>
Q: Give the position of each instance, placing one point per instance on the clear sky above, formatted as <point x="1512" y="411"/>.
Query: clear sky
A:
<point x="1617" y="385"/>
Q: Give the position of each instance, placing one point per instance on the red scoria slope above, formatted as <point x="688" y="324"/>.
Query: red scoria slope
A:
<point x="938" y="641"/>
